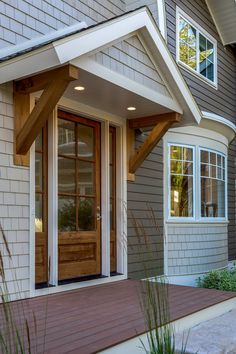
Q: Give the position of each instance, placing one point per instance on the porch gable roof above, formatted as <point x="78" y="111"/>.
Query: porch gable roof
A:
<point x="87" y="41"/>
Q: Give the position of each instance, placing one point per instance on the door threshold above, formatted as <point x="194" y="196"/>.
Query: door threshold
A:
<point x="77" y="285"/>
<point x="81" y="279"/>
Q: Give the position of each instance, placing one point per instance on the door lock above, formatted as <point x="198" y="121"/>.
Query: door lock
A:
<point x="99" y="216"/>
<point x="99" y="213"/>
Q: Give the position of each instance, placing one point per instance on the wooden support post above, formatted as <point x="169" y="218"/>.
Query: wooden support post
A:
<point x="152" y="139"/>
<point x="21" y="113"/>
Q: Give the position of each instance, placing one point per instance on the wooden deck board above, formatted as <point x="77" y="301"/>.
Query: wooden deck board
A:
<point x="91" y="319"/>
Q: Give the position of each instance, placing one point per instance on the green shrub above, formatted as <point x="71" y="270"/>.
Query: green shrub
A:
<point x="219" y="279"/>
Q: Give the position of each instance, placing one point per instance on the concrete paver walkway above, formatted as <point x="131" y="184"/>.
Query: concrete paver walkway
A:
<point x="216" y="336"/>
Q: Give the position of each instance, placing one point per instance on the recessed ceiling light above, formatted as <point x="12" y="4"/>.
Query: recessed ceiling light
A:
<point x="79" y="88"/>
<point x="131" y="108"/>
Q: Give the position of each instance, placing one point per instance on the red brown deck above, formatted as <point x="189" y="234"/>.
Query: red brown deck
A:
<point x="91" y="319"/>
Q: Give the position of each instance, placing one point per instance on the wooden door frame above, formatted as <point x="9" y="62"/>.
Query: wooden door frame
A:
<point x="105" y="119"/>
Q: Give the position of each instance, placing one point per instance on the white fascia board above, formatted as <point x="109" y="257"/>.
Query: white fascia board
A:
<point x="219" y="124"/>
<point x="99" y="36"/>
<point x="28" y="64"/>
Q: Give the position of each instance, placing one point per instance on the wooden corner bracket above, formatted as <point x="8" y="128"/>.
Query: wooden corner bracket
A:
<point x="28" y="124"/>
<point x="161" y="124"/>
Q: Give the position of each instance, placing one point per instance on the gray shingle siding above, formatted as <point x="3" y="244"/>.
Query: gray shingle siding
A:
<point x="221" y="101"/>
<point x="129" y="58"/>
<point x="21" y="20"/>
<point x="151" y="4"/>
<point x="196" y="248"/>
<point x="232" y="201"/>
<point x="145" y="193"/>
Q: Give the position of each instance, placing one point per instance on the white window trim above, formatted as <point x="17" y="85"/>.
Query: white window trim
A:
<point x="197" y="186"/>
<point x="180" y="218"/>
<point x="122" y="257"/>
<point x="161" y="13"/>
<point x="199" y="29"/>
<point x="210" y="219"/>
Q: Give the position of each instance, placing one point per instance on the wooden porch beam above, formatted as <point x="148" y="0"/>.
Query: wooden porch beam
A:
<point x="44" y="107"/>
<point x="152" y="139"/>
<point x="150" y="121"/>
<point x="40" y="81"/>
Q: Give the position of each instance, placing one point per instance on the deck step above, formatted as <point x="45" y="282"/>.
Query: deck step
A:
<point x="216" y="336"/>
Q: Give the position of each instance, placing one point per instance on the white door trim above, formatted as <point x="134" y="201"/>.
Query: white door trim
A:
<point x="105" y="119"/>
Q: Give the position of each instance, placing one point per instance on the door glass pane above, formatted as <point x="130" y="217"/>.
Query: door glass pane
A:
<point x="66" y="175"/>
<point x="38" y="171"/>
<point x="38" y="213"/>
<point x="86" y="178"/>
<point x="66" y="137"/>
<point x="111" y="180"/>
<point x="39" y="142"/>
<point x="85" y="142"/>
<point x="110" y="148"/>
<point x="66" y="214"/>
<point x="111" y="215"/>
<point x="86" y="214"/>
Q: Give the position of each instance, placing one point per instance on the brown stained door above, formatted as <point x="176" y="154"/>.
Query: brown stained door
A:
<point x="79" y="224"/>
<point x="41" y="199"/>
<point x="112" y="166"/>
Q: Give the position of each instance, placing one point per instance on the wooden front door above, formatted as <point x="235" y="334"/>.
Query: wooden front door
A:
<point x="79" y="225"/>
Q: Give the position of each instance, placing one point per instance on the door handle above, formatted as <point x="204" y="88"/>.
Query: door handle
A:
<point x="99" y="216"/>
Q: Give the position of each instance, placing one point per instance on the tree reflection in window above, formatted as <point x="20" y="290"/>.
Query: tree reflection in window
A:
<point x="181" y="181"/>
<point x="76" y="177"/>
<point x="196" y="50"/>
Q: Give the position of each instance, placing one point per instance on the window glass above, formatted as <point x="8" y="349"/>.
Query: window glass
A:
<point x="212" y="184"/>
<point x="187" y="49"/>
<point x="196" y="50"/>
<point x="181" y="181"/>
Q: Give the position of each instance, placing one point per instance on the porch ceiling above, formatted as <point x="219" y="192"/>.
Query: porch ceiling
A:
<point x="114" y="99"/>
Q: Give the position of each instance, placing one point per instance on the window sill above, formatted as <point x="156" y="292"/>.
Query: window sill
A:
<point x="196" y="222"/>
<point x="199" y="76"/>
